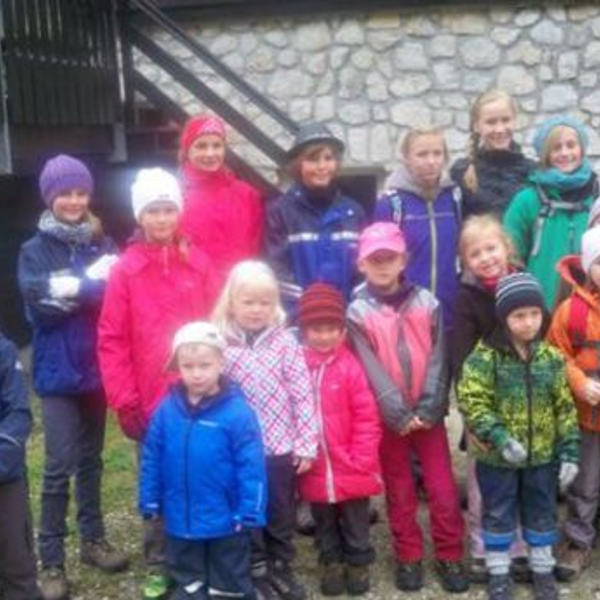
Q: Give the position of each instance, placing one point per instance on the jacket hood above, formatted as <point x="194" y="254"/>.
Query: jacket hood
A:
<point x="571" y="271"/>
<point x="403" y="179"/>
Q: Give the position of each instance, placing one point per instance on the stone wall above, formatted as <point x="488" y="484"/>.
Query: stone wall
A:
<point x="370" y="75"/>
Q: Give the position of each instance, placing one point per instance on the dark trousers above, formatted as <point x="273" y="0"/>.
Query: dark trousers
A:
<point x="342" y="532"/>
<point x="529" y="492"/>
<point x="74" y="438"/>
<point x="274" y="542"/>
<point x="215" y="568"/>
<point x="17" y="559"/>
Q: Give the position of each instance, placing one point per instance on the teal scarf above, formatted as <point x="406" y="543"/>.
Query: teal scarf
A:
<point x="556" y="178"/>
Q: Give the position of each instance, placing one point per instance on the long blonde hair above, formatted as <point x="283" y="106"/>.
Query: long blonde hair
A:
<point x="494" y="95"/>
<point x="414" y="134"/>
<point x="246" y="273"/>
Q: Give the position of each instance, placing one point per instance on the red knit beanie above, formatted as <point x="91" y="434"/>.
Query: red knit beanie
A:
<point x="321" y="302"/>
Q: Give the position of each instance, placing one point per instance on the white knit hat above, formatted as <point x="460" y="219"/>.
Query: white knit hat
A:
<point x="590" y="248"/>
<point x="154" y="185"/>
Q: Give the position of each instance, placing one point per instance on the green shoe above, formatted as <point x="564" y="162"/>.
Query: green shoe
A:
<point x="156" y="586"/>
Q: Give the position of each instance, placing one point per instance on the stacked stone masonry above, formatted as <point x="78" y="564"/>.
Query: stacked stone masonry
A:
<point x="371" y="75"/>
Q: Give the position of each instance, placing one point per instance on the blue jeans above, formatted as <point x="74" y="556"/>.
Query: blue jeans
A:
<point x="74" y="438"/>
<point x="531" y="492"/>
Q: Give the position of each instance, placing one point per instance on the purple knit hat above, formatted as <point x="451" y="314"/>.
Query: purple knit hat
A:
<point x="63" y="173"/>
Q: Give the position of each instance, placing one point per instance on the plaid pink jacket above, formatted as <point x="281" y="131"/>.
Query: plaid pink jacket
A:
<point x="273" y="375"/>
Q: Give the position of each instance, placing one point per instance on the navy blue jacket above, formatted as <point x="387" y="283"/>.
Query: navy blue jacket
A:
<point x="15" y="416"/>
<point x="203" y="467"/>
<point x="311" y="238"/>
<point x="64" y="333"/>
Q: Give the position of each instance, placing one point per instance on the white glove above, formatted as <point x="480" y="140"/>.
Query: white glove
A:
<point x="566" y="475"/>
<point x="64" y="286"/>
<point x="513" y="452"/>
<point x="100" y="269"/>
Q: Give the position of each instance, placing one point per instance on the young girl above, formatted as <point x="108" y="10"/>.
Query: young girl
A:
<point x="312" y="229"/>
<point x="346" y="471"/>
<point x="495" y="168"/>
<point x="575" y="330"/>
<point x="267" y="362"/>
<point x="485" y="252"/>
<point x="546" y="219"/>
<point x="514" y="396"/>
<point x="159" y="284"/>
<point x="62" y="272"/>
<point x="425" y="205"/>
<point x="222" y="214"/>
<point x="397" y="330"/>
<point x="203" y="471"/>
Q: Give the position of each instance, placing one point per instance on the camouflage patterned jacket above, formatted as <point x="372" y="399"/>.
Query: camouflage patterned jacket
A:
<point x="502" y="396"/>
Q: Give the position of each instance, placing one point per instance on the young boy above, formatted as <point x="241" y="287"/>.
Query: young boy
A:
<point x="397" y="330"/>
<point x="346" y="471"/>
<point x="17" y="561"/>
<point x="515" y="399"/>
<point x="203" y="471"/>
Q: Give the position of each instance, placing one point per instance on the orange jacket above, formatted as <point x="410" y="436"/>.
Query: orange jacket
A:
<point x="582" y="361"/>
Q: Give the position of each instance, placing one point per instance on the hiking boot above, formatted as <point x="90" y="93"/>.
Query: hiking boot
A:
<point x="544" y="586"/>
<point x="358" y="581"/>
<point x="571" y="561"/>
<point x="500" y="587"/>
<point x="332" y="578"/>
<point x="103" y="556"/>
<point x="478" y="572"/>
<point x="520" y="570"/>
<point x="409" y="576"/>
<point x="452" y="576"/>
<point x="263" y="589"/>
<point x="156" y="586"/>
<point x="373" y="516"/>
<point x="283" y="580"/>
<point x="54" y="584"/>
<point x="305" y="524"/>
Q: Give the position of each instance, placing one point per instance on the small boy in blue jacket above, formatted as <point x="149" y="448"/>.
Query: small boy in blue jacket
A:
<point x="17" y="560"/>
<point x="203" y="472"/>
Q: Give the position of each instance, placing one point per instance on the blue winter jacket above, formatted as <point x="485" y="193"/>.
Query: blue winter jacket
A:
<point x="15" y="416"/>
<point x="312" y="238"/>
<point x="203" y="468"/>
<point x="431" y="230"/>
<point x="64" y="332"/>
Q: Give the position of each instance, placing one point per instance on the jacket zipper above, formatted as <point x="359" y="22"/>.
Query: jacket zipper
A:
<point x="433" y="234"/>
<point x="329" y="483"/>
<point x="529" y="411"/>
<point x="188" y="515"/>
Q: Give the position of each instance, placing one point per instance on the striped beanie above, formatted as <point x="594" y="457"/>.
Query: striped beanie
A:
<point x="516" y="291"/>
<point x="321" y="303"/>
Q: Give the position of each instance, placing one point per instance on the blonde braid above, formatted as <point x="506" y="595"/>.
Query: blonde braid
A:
<point x="470" y="177"/>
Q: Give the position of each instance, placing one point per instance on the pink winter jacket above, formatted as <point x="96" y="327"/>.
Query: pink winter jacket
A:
<point x="347" y="464"/>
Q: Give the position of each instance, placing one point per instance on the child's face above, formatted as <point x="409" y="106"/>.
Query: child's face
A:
<point x="207" y="153"/>
<point x="565" y="151"/>
<point x="425" y="159"/>
<point x="199" y="367"/>
<point x="382" y="269"/>
<point x="254" y="307"/>
<point x="524" y="323"/>
<point x="595" y="274"/>
<point x="71" y="206"/>
<point x="318" y="170"/>
<point x="323" y="337"/>
<point x="159" y="221"/>
<point x="495" y="125"/>
<point x="486" y="256"/>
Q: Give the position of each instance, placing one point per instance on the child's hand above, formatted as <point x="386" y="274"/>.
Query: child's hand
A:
<point x="473" y="439"/>
<point x="419" y="423"/>
<point x="591" y="392"/>
<point x="302" y="464"/>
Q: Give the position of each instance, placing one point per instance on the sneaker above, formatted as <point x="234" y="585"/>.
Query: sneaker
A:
<point x="54" y="584"/>
<point x="263" y="588"/>
<point x="478" y="572"/>
<point x="452" y="576"/>
<point x="409" y="576"/>
<point x="156" y="586"/>
<point x="332" y="578"/>
<point x="544" y="586"/>
<point x="571" y="561"/>
<point x="283" y="580"/>
<point x="102" y="555"/>
<point x="520" y="570"/>
<point x="358" y="581"/>
<point x="500" y="587"/>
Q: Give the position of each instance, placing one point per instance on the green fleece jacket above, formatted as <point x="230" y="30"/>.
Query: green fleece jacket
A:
<point x="541" y="243"/>
<point x="502" y="396"/>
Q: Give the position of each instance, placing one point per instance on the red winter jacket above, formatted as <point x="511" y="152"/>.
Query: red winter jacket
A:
<point x="223" y="216"/>
<point x="347" y="464"/>
<point x="152" y="291"/>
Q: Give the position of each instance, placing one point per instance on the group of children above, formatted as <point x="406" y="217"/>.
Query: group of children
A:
<point x="322" y="373"/>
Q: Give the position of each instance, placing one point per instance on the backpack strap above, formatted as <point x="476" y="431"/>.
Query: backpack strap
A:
<point x="577" y="323"/>
<point x="457" y="196"/>
<point x="397" y="204"/>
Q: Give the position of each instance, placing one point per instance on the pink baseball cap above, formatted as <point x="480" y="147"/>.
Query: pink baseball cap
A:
<point x="380" y="236"/>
